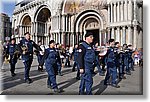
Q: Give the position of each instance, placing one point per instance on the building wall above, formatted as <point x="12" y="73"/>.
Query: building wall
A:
<point x="5" y="27"/>
<point x="68" y="20"/>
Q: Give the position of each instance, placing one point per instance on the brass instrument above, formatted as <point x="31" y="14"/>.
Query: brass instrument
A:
<point x="24" y="49"/>
<point x="103" y="51"/>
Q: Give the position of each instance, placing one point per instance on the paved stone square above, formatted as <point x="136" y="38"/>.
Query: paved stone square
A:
<point x="67" y="83"/>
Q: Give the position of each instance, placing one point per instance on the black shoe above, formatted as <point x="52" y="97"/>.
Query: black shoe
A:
<point x="78" y="78"/>
<point x="49" y="86"/>
<point x="106" y="83"/>
<point x="13" y="74"/>
<point x="56" y="90"/>
<point x="60" y="74"/>
<point x="122" y="77"/>
<point x="128" y="73"/>
<point x="132" y="69"/>
<point x="73" y="70"/>
<point x="115" y="85"/>
<point x="28" y="81"/>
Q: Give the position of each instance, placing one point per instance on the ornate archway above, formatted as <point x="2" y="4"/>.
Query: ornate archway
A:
<point x="90" y="21"/>
<point x="43" y="23"/>
<point x="25" y="25"/>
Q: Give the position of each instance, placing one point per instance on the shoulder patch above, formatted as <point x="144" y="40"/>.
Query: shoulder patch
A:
<point x="80" y="50"/>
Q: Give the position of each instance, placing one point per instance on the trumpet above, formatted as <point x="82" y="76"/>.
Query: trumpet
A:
<point x="103" y="51"/>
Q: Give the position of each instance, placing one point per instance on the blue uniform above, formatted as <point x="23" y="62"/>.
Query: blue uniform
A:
<point x="126" y="62"/>
<point x="50" y="58"/>
<point x="121" y="64"/>
<point x="27" y="57"/>
<point x="75" y="53"/>
<point x="67" y="58"/>
<point x="86" y="61"/>
<point x="97" y="63"/>
<point x="130" y="61"/>
<point x="13" y="58"/>
<point x="39" y="57"/>
<point x="111" y="67"/>
<point x="58" y="61"/>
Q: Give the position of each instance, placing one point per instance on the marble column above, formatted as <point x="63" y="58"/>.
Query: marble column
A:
<point x="66" y="22"/>
<point x="108" y="14"/>
<point x="141" y="15"/>
<point x="118" y="11"/>
<point x="112" y="13"/>
<point x="115" y="13"/>
<point x="121" y="36"/>
<point x="62" y="38"/>
<point x="118" y="35"/>
<point x="126" y="10"/>
<point x="135" y="11"/>
<point x="135" y="37"/>
<point x="46" y="39"/>
<point x="108" y="34"/>
<point x="20" y="31"/>
<point x="112" y="33"/>
<point x="36" y="34"/>
<point x="130" y="10"/>
<point x="140" y="39"/>
<point x="124" y="35"/>
<point x="130" y="35"/>
<point x="122" y="10"/>
<point x="100" y="37"/>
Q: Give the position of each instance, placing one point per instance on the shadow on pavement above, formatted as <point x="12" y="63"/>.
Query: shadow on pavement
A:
<point x="68" y="83"/>
<point x="101" y="87"/>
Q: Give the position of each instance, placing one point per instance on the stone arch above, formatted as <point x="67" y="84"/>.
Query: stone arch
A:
<point x="24" y="17"/>
<point x="39" y="9"/>
<point x="87" y="13"/>
<point x="42" y="19"/>
<point x="97" y="20"/>
<point x="25" y="24"/>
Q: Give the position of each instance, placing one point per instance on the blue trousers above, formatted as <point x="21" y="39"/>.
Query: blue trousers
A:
<point x="12" y="64"/>
<point x="111" y="72"/>
<point x="51" y="76"/>
<point x="86" y="83"/>
<point x="98" y="65"/>
<point x="126" y="63"/>
<point x="78" y="69"/>
<point x="67" y="61"/>
<point x="121" y="70"/>
<point x="59" y="67"/>
<point x="27" y="65"/>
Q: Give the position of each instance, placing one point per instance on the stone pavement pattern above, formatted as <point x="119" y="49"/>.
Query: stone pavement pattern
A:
<point x="68" y="83"/>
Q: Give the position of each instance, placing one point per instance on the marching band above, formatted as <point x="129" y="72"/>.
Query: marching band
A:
<point x="112" y="60"/>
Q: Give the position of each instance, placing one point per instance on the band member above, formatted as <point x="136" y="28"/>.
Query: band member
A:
<point x="26" y="47"/>
<point x="111" y="66"/>
<point x="50" y="59"/>
<point x="86" y="59"/>
<point x="40" y="54"/>
<point x="97" y="61"/>
<point x="58" y="60"/>
<point x="14" y="55"/>
<point x="75" y="54"/>
<point x="67" y="54"/>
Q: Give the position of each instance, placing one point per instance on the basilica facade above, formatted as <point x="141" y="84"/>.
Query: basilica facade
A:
<point x="67" y="21"/>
